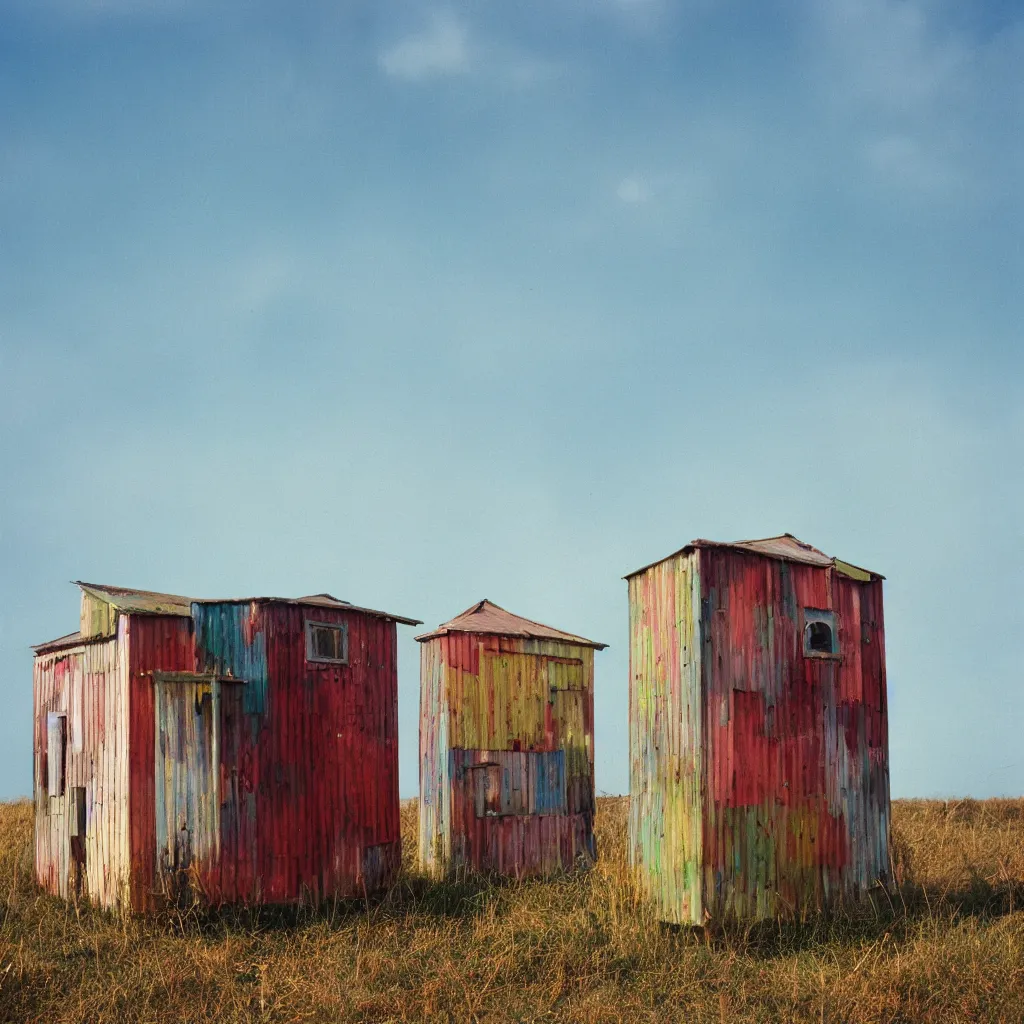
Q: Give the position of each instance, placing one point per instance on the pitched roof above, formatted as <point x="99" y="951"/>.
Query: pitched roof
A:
<point x="149" y="602"/>
<point x="71" y="640"/>
<point x="487" y="617"/>
<point x="785" y="547"/>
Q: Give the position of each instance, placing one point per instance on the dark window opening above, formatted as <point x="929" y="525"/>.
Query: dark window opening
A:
<point x="77" y="812"/>
<point x="819" y="637"/>
<point x="327" y="642"/>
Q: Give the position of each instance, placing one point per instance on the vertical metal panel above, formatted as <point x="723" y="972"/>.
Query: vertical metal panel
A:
<point x="665" y="736"/>
<point x="187" y="780"/>
<point x="435" y="770"/>
<point x="326" y="760"/>
<point x="56" y="753"/>
<point x="506" y="754"/>
<point x="230" y="642"/>
<point x="154" y="643"/>
<point x="86" y="685"/>
<point x="790" y="784"/>
<point x="307" y="752"/>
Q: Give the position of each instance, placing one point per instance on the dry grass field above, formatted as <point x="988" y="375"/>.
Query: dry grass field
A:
<point x="949" y="947"/>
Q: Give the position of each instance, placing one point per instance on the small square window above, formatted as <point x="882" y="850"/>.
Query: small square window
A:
<point x="821" y="639"/>
<point x="327" y="642"/>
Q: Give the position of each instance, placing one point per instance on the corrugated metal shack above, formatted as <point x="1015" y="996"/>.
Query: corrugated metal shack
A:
<point x="758" y="731"/>
<point x="506" y="745"/>
<point x="241" y="750"/>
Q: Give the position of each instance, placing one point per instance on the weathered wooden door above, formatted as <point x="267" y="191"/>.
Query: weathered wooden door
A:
<point x="189" y="757"/>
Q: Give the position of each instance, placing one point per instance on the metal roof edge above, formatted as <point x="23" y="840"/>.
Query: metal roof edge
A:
<point x="675" y="554"/>
<point x="738" y="546"/>
<point x="309" y="602"/>
<point x="69" y="640"/>
<point x="448" y="627"/>
<point x="568" y="638"/>
<point x="107" y="592"/>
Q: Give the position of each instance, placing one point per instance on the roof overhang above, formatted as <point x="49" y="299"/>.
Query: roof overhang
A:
<point x="774" y="548"/>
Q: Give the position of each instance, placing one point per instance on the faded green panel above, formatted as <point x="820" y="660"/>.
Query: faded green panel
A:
<point x="666" y="805"/>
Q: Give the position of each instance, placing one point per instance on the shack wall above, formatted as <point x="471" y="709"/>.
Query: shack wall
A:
<point x="795" y="747"/>
<point x="435" y="801"/>
<point x="87" y="685"/>
<point x="508" y="754"/>
<point x="665" y="736"/>
<point x="307" y="762"/>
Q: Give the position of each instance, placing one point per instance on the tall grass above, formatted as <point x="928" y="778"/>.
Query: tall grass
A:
<point x="949" y="946"/>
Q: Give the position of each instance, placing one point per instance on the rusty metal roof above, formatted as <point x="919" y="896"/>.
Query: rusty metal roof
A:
<point x="784" y="547"/>
<point x="71" y="640"/>
<point x="487" y="617"/>
<point x="316" y="601"/>
<point x="148" y="602"/>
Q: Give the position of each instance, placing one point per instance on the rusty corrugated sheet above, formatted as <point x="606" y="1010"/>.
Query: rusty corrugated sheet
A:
<point x="101" y="603"/>
<point x="759" y="762"/>
<point x="506" y="748"/>
<point x="785" y="547"/>
<point x="487" y="617"/>
<point x="224" y="760"/>
<point x="124" y="599"/>
<point x="307" y="762"/>
<point x="80" y="771"/>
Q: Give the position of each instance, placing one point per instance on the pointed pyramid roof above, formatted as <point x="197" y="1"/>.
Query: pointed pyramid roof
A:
<point x="487" y="617"/>
<point x="784" y="547"/>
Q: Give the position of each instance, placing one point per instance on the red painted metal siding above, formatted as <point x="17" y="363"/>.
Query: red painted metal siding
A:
<point x="325" y="762"/>
<point x="759" y="766"/>
<point x="795" y="747"/>
<point x="308" y="782"/>
<point x="162" y="643"/>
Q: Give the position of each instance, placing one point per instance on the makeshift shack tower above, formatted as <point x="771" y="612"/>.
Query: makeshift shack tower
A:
<point x="506" y="745"/>
<point x="759" y="761"/>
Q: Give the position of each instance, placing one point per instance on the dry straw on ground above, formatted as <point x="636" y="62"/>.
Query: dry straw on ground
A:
<point x="949" y="947"/>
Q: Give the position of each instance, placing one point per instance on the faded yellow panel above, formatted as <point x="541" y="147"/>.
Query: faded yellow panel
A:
<point x="565" y="674"/>
<point x="98" y="617"/>
<point x="568" y="713"/>
<point x="508" y="703"/>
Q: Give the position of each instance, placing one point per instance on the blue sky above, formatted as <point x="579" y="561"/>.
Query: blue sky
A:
<point x="419" y="305"/>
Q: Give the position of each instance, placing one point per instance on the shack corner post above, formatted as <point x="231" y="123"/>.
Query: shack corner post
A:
<point x="758" y="729"/>
<point x="506" y="746"/>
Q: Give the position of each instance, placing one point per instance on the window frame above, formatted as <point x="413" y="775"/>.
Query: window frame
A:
<point x="309" y="625"/>
<point x="809" y="616"/>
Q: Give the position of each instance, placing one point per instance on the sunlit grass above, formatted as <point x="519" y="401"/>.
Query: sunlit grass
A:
<point x="949" y="946"/>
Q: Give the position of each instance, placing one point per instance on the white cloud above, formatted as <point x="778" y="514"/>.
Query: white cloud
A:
<point x="634" y="190"/>
<point x="441" y="49"/>
<point x="892" y="54"/>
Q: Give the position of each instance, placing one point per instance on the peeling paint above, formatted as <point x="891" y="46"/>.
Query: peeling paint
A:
<point x="759" y="768"/>
<point x="506" y="746"/>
